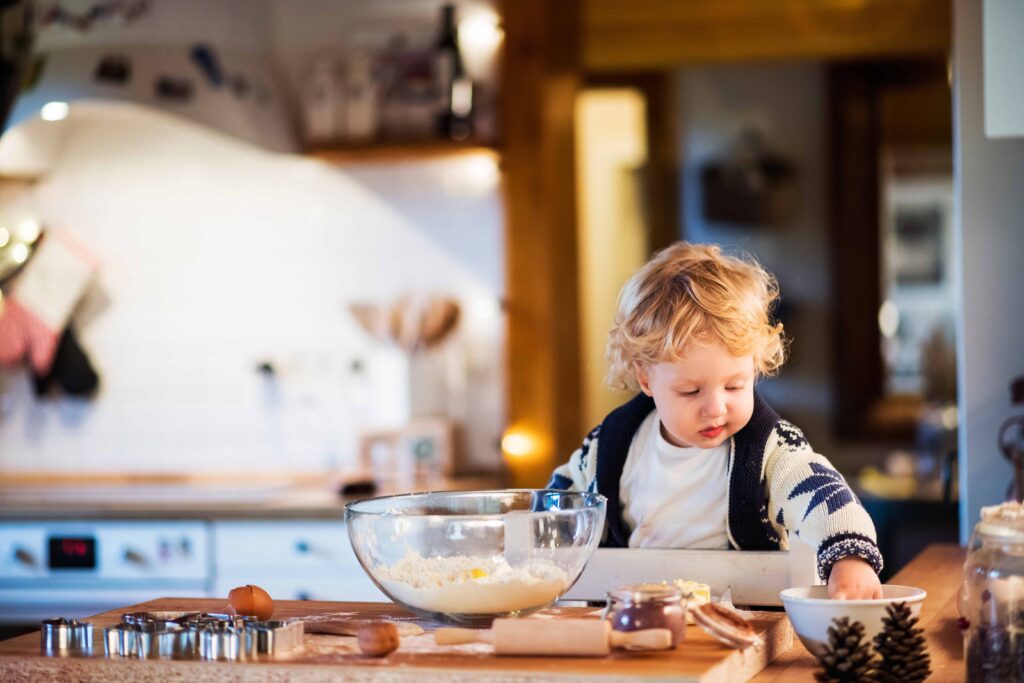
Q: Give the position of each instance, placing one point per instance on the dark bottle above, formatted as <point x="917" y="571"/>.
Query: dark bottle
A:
<point x="455" y="87"/>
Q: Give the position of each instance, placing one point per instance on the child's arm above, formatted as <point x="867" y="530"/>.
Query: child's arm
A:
<point x="808" y="496"/>
<point x="580" y="472"/>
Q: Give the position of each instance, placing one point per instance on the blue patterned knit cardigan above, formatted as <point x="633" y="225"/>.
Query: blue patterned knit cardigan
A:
<point x="777" y="483"/>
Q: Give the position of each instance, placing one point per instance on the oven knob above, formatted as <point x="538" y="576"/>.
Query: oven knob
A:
<point x="134" y="557"/>
<point x="22" y="556"/>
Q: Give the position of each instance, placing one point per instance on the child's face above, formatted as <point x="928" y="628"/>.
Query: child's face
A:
<point x="703" y="398"/>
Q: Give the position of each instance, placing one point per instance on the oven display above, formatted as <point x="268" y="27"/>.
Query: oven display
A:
<point x="72" y="552"/>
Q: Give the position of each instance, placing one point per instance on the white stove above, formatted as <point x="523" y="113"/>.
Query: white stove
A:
<point x="77" y="568"/>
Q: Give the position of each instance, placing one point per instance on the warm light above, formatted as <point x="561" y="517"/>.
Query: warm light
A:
<point x="527" y="454"/>
<point x="472" y="174"/>
<point x="19" y="253"/>
<point x="480" y="36"/>
<point x="950" y="417"/>
<point x="5" y="237"/>
<point x="483" y="307"/>
<point x="484" y="168"/>
<point x="518" y="444"/>
<point x="888" y="319"/>
<point x="54" y="111"/>
<point x="28" y="230"/>
<point x="480" y="31"/>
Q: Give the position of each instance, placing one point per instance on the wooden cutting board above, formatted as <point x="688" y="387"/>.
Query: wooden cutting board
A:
<point x="336" y="658"/>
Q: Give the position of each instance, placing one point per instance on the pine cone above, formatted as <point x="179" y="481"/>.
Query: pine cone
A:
<point x="847" y="657"/>
<point x="902" y="647"/>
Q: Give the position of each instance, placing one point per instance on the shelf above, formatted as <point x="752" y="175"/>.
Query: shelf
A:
<point x="18" y="179"/>
<point x="397" y="152"/>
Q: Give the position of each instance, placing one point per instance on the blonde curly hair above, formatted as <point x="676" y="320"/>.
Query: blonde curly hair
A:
<point x="693" y="293"/>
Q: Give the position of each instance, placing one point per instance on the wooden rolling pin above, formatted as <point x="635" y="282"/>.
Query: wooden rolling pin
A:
<point x="578" y="637"/>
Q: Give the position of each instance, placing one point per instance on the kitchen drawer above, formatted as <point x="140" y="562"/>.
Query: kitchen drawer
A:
<point x="304" y="544"/>
<point x="350" y="585"/>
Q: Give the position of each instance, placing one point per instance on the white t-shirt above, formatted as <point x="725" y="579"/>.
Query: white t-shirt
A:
<point x="674" y="497"/>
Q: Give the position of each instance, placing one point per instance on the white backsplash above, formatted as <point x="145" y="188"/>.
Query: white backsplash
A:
<point x="216" y="256"/>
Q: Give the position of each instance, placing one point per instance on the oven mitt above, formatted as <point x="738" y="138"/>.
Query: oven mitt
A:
<point x="71" y="370"/>
<point x="41" y="301"/>
<point x="23" y="336"/>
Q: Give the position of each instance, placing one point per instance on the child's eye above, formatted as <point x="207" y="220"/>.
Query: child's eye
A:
<point x="737" y="388"/>
<point x="688" y="393"/>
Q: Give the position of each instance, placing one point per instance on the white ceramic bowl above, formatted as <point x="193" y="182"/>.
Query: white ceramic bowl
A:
<point x="811" y="611"/>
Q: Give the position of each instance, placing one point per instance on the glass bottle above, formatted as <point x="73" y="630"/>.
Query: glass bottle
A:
<point x="648" y="605"/>
<point x="322" y="102"/>
<point x="992" y="598"/>
<point x="454" y="85"/>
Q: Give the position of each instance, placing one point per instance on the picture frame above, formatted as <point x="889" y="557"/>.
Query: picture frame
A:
<point x="420" y="451"/>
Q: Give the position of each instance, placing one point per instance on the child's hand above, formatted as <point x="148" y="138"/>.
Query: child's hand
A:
<point x="853" y="579"/>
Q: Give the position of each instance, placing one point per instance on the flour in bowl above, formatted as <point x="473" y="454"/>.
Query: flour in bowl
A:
<point x="471" y="585"/>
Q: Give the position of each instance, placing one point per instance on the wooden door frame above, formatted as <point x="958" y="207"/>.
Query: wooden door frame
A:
<point x="541" y="77"/>
<point x="856" y="139"/>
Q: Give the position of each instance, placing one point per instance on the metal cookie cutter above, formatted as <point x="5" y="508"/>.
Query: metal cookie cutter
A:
<point x="151" y="635"/>
<point x="200" y="635"/>
<point x="271" y="638"/>
<point x="159" y="617"/>
<point x="60" y="637"/>
<point x="148" y="641"/>
<point x="221" y="641"/>
<point x="236" y="620"/>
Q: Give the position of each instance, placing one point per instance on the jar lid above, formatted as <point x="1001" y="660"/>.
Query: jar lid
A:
<point x="1004" y="522"/>
<point x="646" y="592"/>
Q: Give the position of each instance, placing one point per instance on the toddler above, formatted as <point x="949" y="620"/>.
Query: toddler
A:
<point x="698" y="459"/>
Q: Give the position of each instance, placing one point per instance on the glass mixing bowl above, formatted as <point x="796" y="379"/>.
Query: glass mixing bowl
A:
<point x="466" y="557"/>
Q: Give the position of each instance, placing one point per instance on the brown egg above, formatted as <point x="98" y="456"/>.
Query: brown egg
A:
<point x="251" y="601"/>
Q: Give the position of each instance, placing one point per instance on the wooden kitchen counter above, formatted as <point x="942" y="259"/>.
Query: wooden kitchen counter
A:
<point x="700" y="659"/>
<point x="937" y="570"/>
<point x="318" y="495"/>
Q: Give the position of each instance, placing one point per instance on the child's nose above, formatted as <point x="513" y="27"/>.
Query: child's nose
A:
<point x="714" y="405"/>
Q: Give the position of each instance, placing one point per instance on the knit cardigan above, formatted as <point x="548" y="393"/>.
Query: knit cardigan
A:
<point x="777" y="483"/>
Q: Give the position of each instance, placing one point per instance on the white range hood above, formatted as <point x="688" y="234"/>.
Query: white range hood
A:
<point x="233" y="92"/>
<point x="206" y="62"/>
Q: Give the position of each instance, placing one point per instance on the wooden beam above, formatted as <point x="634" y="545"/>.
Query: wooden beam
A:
<point x="664" y="201"/>
<point x="853" y="132"/>
<point x="875" y="107"/>
<point x="540" y="81"/>
<point x="648" y="34"/>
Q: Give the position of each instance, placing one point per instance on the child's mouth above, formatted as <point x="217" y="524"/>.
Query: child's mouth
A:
<point x="712" y="432"/>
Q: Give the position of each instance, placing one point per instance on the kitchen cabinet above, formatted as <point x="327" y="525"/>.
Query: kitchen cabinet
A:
<point x="1003" y="21"/>
<point x="129" y="561"/>
<point x="291" y="560"/>
<point x="73" y="566"/>
<point x="177" y="535"/>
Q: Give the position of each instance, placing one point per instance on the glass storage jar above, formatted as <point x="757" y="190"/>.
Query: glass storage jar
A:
<point x="992" y="597"/>
<point x="648" y="605"/>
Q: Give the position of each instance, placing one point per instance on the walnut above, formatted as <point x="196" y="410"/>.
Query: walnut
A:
<point x="378" y="639"/>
